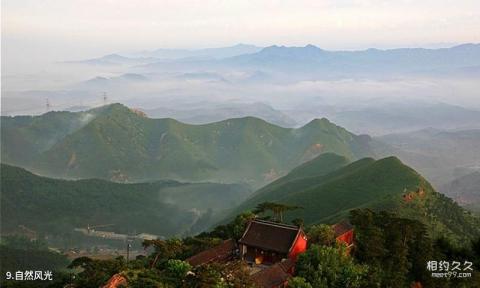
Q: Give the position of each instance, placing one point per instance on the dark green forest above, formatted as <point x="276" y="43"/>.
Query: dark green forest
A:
<point x="53" y="206"/>
<point x="328" y="187"/>
<point x="389" y="251"/>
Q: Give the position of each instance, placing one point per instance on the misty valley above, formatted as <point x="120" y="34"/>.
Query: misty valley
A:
<point x="91" y="183"/>
<point x="243" y="166"/>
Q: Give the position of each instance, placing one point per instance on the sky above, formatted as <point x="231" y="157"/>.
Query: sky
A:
<point x="62" y="29"/>
<point x="36" y="34"/>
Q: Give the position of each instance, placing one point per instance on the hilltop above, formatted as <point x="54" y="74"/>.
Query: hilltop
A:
<point x="122" y="144"/>
<point x="330" y="188"/>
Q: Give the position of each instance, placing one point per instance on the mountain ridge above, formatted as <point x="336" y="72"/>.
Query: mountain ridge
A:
<point x="132" y="147"/>
<point x="385" y="184"/>
<point x="296" y="63"/>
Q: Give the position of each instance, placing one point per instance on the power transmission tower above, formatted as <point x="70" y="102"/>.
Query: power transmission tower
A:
<point x="129" y="240"/>
<point x="47" y="104"/>
<point x="105" y="98"/>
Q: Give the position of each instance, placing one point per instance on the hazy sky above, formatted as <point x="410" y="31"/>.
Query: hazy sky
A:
<point x="41" y="30"/>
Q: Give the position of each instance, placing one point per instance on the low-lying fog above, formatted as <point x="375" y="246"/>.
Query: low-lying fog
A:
<point x="276" y="83"/>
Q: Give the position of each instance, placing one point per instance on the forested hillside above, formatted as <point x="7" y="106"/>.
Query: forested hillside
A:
<point x="163" y="208"/>
<point x="123" y="145"/>
<point x="329" y="189"/>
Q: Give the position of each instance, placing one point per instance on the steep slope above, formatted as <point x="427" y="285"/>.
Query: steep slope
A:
<point x="162" y="208"/>
<point x="25" y="137"/>
<point x="465" y="190"/>
<point x="299" y="178"/>
<point x="123" y="145"/>
<point x="385" y="184"/>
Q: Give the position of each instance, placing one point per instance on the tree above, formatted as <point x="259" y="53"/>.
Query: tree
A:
<point x="321" y="234"/>
<point x="164" y="249"/>
<point x="324" y="266"/>
<point x="298" y="282"/>
<point x="233" y="275"/>
<point x="397" y="250"/>
<point x="96" y="272"/>
<point x="420" y="252"/>
<point x="277" y="209"/>
<point x="298" y="222"/>
<point x="396" y="262"/>
<point x="237" y="275"/>
<point x="233" y="229"/>
<point x="370" y="241"/>
<point x="206" y="276"/>
<point x="176" y="270"/>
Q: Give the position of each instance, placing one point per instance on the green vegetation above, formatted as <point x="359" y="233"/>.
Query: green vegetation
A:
<point x="162" y="208"/>
<point x="397" y="251"/>
<point x="166" y="266"/>
<point x="389" y="251"/>
<point x="292" y="182"/>
<point x="278" y="210"/>
<point x="26" y="137"/>
<point x="326" y="266"/>
<point x="21" y="254"/>
<point x="386" y="184"/>
<point x="400" y="221"/>
<point x="298" y="282"/>
<point x="121" y="145"/>
<point x="321" y="234"/>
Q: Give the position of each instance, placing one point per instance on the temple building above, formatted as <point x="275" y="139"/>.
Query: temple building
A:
<point x="270" y="250"/>
<point x="267" y="243"/>
<point x="344" y="233"/>
<point x="275" y="276"/>
<point x="222" y="253"/>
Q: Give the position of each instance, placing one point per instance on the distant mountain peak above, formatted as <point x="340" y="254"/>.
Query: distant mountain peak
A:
<point x="310" y="46"/>
<point x="306" y="52"/>
<point x="283" y="47"/>
<point x="318" y="122"/>
<point x="133" y="76"/>
<point x="467" y="46"/>
<point x="243" y="45"/>
<point x="110" y="108"/>
<point x="113" y="57"/>
<point x="98" y="78"/>
<point x="392" y="160"/>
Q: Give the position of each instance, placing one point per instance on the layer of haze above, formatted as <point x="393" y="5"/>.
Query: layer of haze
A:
<point x="38" y="37"/>
<point x="38" y="32"/>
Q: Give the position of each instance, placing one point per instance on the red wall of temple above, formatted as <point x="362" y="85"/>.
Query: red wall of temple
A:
<point x="299" y="247"/>
<point x="346" y="237"/>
